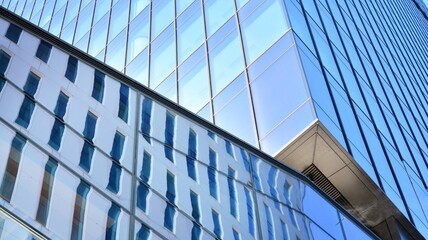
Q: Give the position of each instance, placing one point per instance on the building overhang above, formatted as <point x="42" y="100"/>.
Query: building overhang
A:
<point x="316" y="146"/>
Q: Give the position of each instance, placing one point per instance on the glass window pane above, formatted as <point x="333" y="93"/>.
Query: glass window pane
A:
<point x="194" y="87"/>
<point x="116" y="52"/>
<point x="190" y="34"/>
<point x="257" y="37"/>
<point x="217" y="13"/>
<point x="162" y="15"/>
<point x="118" y="19"/>
<point x="138" y="37"/>
<point x="226" y="62"/>
<point x="162" y="57"/>
<point x="13" y="33"/>
<point x="137" y="6"/>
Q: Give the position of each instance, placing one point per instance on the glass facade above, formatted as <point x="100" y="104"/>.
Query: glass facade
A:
<point x="130" y="179"/>
<point x="261" y="70"/>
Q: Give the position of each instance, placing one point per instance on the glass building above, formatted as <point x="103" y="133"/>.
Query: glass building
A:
<point x="337" y="90"/>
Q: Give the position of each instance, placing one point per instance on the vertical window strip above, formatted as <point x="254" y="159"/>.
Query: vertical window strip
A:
<point x="272" y="185"/>
<point x="4" y="62"/>
<point x="146" y="115"/>
<point x="245" y="160"/>
<point x="196" y="232"/>
<point x="170" y="184"/>
<point x="90" y="124"/>
<point x="98" y="87"/>
<point x="79" y="210"/>
<point x="31" y="84"/>
<point x="235" y="234"/>
<point x="211" y="134"/>
<point x="117" y="148"/>
<point x="112" y="222"/>
<point x="86" y="156"/>
<point x="61" y="105"/>
<point x="269" y="222"/>
<point x="114" y="178"/>
<point x="191" y="155"/>
<point x="123" y="102"/>
<point x="194" y="200"/>
<point x="25" y="112"/>
<point x="229" y="148"/>
<point x="169" y="135"/>
<point x="13" y="33"/>
<point x="256" y="179"/>
<point x="216" y="222"/>
<point x="232" y="192"/>
<point x="46" y="192"/>
<point x="12" y="166"/>
<point x="250" y="211"/>
<point x="212" y="173"/>
<point x="143" y="189"/>
<point x="71" y="71"/>
<point x="169" y="217"/>
<point x="2" y="82"/>
<point x="44" y="51"/>
<point x="143" y="233"/>
<point x="56" y="135"/>
<point x="284" y="230"/>
<point x="146" y="167"/>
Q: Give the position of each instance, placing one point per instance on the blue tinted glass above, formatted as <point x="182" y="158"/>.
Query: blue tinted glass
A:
<point x="117" y="148"/>
<point x="169" y="217"/>
<point x="235" y="235"/>
<point x="98" y="36"/>
<point x="146" y="115"/>
<point x="281" y="87"/>
<point x="79" y="210"/>
<point x="196" y="232"/>
<point x="269" y="223"/>
<point x="123" y="102"/>
<point x="142" y="193"/>
<point x="194" y="200"/>
<point x="145" y="170"/>
<point x="115" y="55"/>
<point x="170" y="187"/>
<point x="4" y="62"/>
<point x="31" y="84"/>
<point x="194" y="86"/>
<point x="89" y="131"/>
<point x="46" y="192"/>
<point x="44" y="51"/>
<point x="245" y="160"/>
<point x="114" y="178"/>
<point x="86" y="156"/>
<point x="229" y="149"/>
<point x="255" y="35"/>
<point x="272" y="183"/>
<point x="226" y="61"/>
<point x="25" y="112"/>
<point x="162" y="56"/>
<point x="211" y="134"/>
<point x="217" y="13"/>
<point x="169" y="135"/>
<point x="232" y="192"/>
<point x="190" y="34"/>
<point x="138" y="68"/>
<point x="216" y="221"/>
<point x="61" y="105"/>
<point x="119" y="18"/>
<point x="137" y="6"/>
<point x="211" y="171"/>
<point x="162" y="15"/>
<point x="192" y="144"/>
<point x="13" y="33"/>
<point x="168" y="87"/>
<point x="112" y="222"/>
<point x="56" y="135"/>
<point x="191" y="169"/>
<point x="2" y="82"/>
<point x="98" y="88"/>
<point x="249" y="201"/>
<point x="71" y="71"/>
<point x="256" y="178"/>
<point x="138" y="37"/>
<point x="11" y="171"/>
<point x="143" y="233"/>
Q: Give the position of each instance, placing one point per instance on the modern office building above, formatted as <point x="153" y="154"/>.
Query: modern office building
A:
<point x="335" y="89"/>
